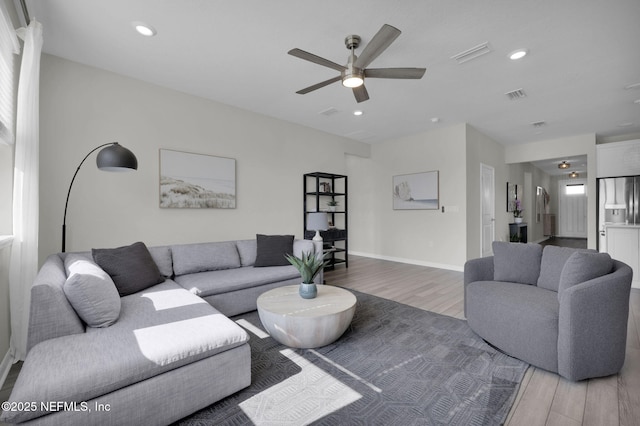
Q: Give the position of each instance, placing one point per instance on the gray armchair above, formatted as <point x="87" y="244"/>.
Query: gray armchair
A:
<point x="568" y="316"/>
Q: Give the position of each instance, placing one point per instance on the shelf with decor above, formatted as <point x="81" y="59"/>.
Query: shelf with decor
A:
<point x="327" y="193"/>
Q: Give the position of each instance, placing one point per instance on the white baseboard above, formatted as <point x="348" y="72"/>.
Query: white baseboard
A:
<point x="409" y="261"/>
<point x="5" y="366"/>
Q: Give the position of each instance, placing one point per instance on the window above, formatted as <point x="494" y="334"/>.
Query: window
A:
<point x="8" y="48"/>
<point x="577" y="189"/>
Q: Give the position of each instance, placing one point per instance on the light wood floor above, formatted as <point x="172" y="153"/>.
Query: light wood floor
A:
<point x="544" y="398"/>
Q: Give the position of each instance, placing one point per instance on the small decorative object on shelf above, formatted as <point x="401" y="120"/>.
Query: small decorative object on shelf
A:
<point x="332" y="205"/>
<point x="309" y="265"/>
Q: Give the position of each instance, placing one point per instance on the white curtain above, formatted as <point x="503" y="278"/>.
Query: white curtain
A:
<point x="24" y="252"/>
<point x="9" y="47"/>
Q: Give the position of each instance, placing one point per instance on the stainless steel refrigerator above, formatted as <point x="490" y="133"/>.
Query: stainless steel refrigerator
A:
<point x="618" y="205"/>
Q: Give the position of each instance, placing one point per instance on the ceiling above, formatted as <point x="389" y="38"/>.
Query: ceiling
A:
<point x="578" y="164"/>
<point x="583" y="56"/>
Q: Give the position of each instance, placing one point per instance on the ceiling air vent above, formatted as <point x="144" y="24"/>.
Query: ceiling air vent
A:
<point x="329" y="112"/>
<point x="516" y="94"/>
<point x="538" y="124"/>
<point x="473" y="53"/>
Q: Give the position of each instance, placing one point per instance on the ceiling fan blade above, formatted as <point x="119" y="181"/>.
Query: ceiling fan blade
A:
<point x="383" y="38"/>
<point x="360" y="93"/>
<point x="315" y="59"/>
<point x="318" y="85"/>
<point x="414" y="73"/>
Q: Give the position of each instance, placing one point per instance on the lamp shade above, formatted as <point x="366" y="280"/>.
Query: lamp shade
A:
<point x="317" y="221"/>
<point x="116" y="158"/>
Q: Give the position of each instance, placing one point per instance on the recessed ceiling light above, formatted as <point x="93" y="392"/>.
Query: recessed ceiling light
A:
<point x="625" y="124"/>
<point x="357" y="112"/>
<point x="637" y="101"/>
<point x="435" y="120"/>
<point x="518" y="54"/>
<point x="632" y="86"/>
<point x="144" y="29"/>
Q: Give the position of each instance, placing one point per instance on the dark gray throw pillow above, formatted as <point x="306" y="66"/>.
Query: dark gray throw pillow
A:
<point x="130" y="267"/>
<point x="272" y="248"/>
<point x="516" y="262"/>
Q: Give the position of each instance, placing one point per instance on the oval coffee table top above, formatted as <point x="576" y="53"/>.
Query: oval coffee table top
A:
<point x="286" y="301"/>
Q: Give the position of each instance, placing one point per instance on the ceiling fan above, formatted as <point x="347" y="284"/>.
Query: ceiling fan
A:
<point x="354" y="73"/>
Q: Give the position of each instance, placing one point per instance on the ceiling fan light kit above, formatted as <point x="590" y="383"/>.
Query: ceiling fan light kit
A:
<point x="354" y="73"/>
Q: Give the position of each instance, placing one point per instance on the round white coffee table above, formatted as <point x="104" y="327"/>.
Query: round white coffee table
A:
<point x="306" y="323"/>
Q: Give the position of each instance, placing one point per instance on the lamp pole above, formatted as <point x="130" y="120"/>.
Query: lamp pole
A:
<point x="120" y="159"/>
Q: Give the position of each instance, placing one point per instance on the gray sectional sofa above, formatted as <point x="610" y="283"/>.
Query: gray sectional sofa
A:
<point x="560" y="309"/>
<point x="152" y="355"/>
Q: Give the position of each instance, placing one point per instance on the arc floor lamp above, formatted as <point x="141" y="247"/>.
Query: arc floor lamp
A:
<point x="113" y="158"/>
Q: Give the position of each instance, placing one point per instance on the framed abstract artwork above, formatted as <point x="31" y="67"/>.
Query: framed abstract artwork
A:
<point x="196" y="181"/>
<point x="417" y="191"/>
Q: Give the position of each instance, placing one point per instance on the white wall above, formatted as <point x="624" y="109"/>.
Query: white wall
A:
<point x="565" y="147"/>
<point x="427" y="237"/>
<point x="83" y="107"/>
<point x="482" y="149"/>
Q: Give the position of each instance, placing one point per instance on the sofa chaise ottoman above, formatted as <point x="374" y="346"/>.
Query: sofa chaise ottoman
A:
<point x="152" y="355"/>
<point x="560" y="309"/>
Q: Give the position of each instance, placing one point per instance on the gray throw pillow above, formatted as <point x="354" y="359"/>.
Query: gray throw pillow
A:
<point x="553" y="261"/>
<point x="247" y="249"/>
<point x="131" y="267"/>
<point x="272" y="248"/>
<point x="582" y="267"/>
<point x="91" y="292"/>
<point x="516" y="262"/>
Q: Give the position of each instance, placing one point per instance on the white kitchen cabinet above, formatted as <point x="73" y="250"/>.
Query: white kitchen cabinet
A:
<point x="618" y="159"/>
<point x="623" y="244"/>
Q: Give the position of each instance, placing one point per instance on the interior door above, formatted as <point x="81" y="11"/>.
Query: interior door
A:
<point x="572" y="208"/>
<point x="488" y="208"/>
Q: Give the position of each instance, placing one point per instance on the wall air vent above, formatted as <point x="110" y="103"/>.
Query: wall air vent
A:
<point x="516" y="94"/>
<point x="473" y="53"/>
<point x="329" y="112"/>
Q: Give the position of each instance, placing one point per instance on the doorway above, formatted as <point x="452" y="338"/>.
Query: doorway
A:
<point x="488" y="208"/>
<point x="572" y="208"/>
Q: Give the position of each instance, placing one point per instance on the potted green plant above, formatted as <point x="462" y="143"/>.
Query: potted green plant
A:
<point x="309" y="265"/>
<point x="332" y="205"/>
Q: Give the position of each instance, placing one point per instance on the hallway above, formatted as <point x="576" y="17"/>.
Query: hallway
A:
<point x="565" y="242"/>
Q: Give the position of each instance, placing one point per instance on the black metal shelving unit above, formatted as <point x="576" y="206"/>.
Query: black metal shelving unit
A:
<point x="318" y="189"/>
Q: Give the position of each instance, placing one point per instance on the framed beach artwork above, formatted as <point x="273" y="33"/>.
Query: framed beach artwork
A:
<point x="417" y="191"/>
<point x="196" y="181"/>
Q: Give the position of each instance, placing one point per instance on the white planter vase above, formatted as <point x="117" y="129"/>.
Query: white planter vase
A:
<point x="518" y="220"/>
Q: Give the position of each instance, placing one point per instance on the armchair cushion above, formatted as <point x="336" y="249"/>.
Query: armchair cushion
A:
<point x="583" y="266"/>
<point x="516" y="262"/>
<point x="553" y="261"/>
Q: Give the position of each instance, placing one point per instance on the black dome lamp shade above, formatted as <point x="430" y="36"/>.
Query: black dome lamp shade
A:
<point x="112" y="158"/>
<point x="116" y="158"/>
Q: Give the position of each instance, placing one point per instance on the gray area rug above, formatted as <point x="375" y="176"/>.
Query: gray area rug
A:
<point x="395" y="365"/>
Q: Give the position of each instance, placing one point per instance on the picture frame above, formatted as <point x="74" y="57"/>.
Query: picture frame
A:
<point x="189" y="180"/>
<point x="416" y="191"/>
<point x="512" y="196"/>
